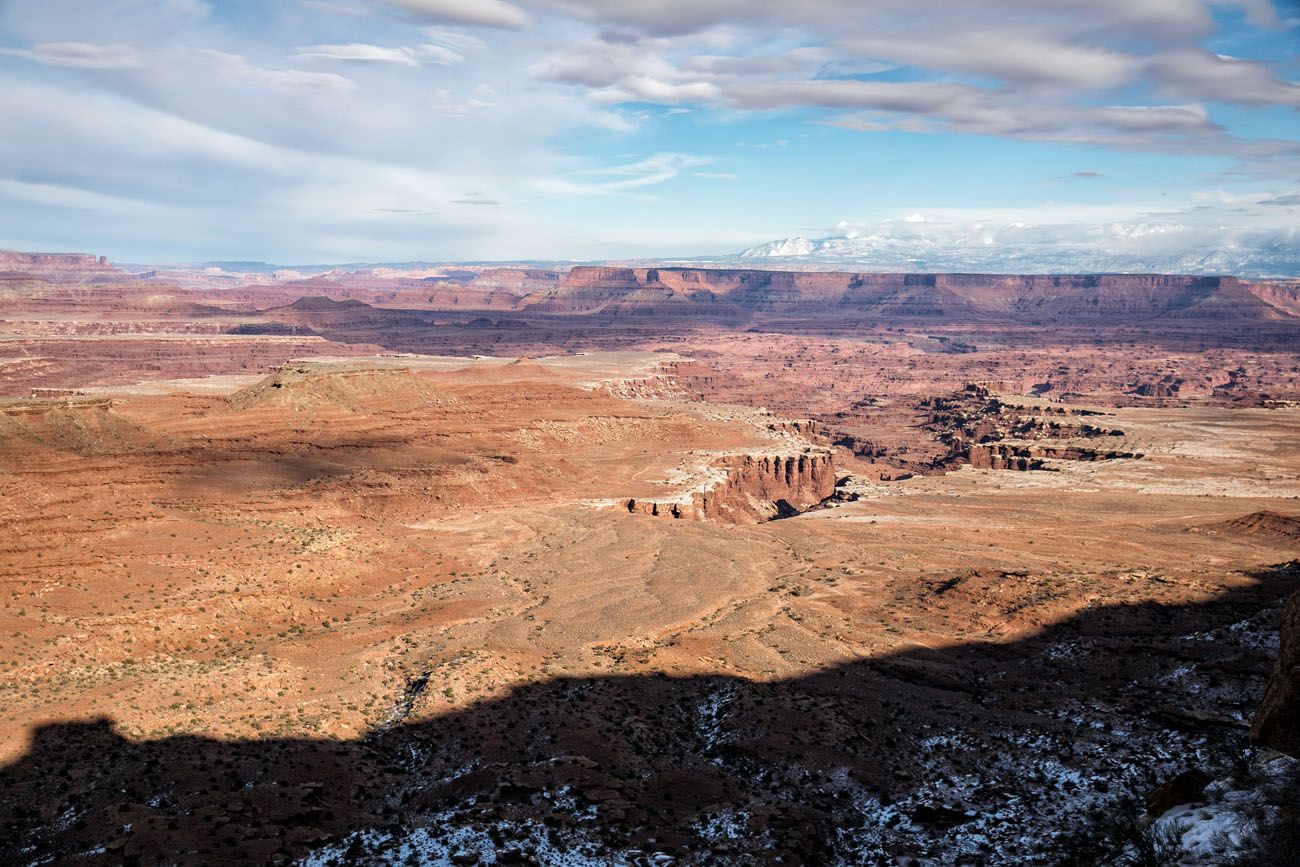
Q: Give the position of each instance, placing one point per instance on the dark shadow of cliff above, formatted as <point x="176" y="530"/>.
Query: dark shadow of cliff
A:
<point x="837" y="765"/>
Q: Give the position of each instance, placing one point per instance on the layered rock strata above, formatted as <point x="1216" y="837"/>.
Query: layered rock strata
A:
<point x="752" y="489"/>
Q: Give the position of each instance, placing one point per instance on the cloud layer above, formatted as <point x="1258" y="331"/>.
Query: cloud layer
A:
<point x="362" y="129"/>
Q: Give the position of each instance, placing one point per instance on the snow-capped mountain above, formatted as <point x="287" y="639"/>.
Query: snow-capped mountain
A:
<point x="1025" y="249"/>
<point x="783" y="248"/>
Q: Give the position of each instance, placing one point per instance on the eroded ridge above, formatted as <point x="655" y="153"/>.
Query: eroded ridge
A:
<point x="753" y="489"/>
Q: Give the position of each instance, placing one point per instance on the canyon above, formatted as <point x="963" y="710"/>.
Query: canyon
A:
<point x="941" y="297"/>
<point x="483" y="564"/>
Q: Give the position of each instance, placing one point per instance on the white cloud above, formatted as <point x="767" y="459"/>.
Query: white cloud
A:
<point x="626" y="178"/>
<point x="238" y="68"/>
<point x="338" y="7"/>
<point x="482" y="13"/>
<point x="1023" y="57"/>
<point x="83" y="55"/>
<point x="1052" y="240"/>
<point x="1199" y="74"/>
<point x="445" y="103"/>
<point x="54" y="130"/>
<point x="1155" y="20"/>
<point x="1010" y="68"/>
<point x="219" y="118"/>
<point x="357" y="52"/>
<point x="72" y="198"/>
<point x="453" y="39"/>
<point x="440" y="55"/>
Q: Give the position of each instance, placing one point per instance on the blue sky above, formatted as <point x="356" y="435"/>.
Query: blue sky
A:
<point x="389" y="130"/>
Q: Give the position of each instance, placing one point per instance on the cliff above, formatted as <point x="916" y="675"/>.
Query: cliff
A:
<point x="980" y="430"/>
<point x="79" y="295"/>
<point x="1277" y="723"/>
<point x="628" y="292"/>
<point x="1085" y="298"/>
<point x="55" y="263"/>
<point x="1284" y="296"/>
<point x="753" y="489"/>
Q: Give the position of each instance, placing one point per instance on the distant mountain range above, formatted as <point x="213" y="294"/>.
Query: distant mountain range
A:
<point x="1022" y="250"/>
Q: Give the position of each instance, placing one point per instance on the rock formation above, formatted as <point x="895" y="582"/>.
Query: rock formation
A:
<point x="1277" y="723"/>
<point x="1000" y="456"/>
<point x="85" y="425"/>
<point x="942" y="297"/>
<point x="980" y="430"/>
<point x="1269" y="524"/>
<point x="753" y="489"/>
<point x="303" y="386"/>
<point x="55" y="264"/>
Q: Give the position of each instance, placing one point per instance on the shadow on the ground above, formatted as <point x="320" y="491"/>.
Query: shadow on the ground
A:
<point x="869" y="762"/>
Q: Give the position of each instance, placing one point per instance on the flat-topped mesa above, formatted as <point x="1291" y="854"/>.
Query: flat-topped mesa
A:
<point x="86" y="425"/>
<point x="11" y="260"/>
<point x="672" y="380"/>
<point x="342" y="386"/>
<point x="59" y="268"/>
<point x="596" y="275"/>
<point x="42" y="404"/>
<point x="1032" y="298"/>
<point x="754" y="489"/>
<point x="516" y="281"/>
<point x="323" y="302"/>
<point x="610" y="291"/>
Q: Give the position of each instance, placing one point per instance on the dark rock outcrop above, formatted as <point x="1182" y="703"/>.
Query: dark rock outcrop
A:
<point x="1186" y="788"/>
<point x="1277" y="723"/>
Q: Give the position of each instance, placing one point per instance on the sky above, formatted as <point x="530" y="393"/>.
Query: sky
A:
<point x="306" y="131"/>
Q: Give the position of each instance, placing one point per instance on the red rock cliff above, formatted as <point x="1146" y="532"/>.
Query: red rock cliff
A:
<point x="11" y="260"/>
<point x="990" y="297"/>
<point x="754" y="489"/>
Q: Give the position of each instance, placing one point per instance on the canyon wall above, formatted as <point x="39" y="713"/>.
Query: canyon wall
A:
<point x="753" y="489"/>
<point x="494" y="293"/>
<point x="116" y="296"/>
<point x="628" y="292"/>
<point x="737" y="293"/>
<point x="55" y="263"/>
<point x="1284" y="295"/>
